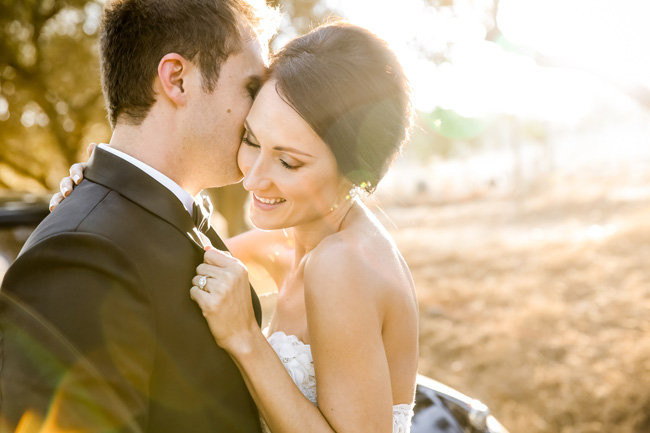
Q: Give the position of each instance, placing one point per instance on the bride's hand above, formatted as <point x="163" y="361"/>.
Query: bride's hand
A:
<point x="225" y="300"/>
<point x="68" y="183"/>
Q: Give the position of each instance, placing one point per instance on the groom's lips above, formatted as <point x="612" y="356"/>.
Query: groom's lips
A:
<point x="266" y="206"/>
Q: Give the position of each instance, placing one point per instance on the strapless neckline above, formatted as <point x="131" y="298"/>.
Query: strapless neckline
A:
<point x="298" y="361"/>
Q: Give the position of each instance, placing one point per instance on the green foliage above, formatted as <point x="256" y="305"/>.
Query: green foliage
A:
<point x="452" y="125"/>
<point x="444" y="133"/>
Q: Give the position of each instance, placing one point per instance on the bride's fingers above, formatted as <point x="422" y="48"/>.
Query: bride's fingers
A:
<point x="222" y="259"/>
<point x="55" y="200"/>
<point x="77" y="172"/>
<point x="66" y="186"/>
<point x="198" y="295"/>
<point x="197" y="282"/>
<point x="207" y="301"/>
<point x="91" y="148"/>
<point x="209" y="271"/>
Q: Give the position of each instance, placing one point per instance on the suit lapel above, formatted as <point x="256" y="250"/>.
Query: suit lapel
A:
<point x="129" y="181"/>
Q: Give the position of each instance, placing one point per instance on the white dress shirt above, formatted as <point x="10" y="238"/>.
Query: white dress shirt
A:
<point x="185" y="197"/>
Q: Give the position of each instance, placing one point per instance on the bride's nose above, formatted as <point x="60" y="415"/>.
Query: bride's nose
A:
<point x="256" y="178"/>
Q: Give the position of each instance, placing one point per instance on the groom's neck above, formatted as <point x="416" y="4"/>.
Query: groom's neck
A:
<point x="153" y="147"/>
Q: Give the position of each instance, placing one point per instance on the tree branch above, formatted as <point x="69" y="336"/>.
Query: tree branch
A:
<point x="22" y="171"/>
<point x="4" y="185"/>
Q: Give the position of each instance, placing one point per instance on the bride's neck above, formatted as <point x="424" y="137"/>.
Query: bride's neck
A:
<point x="308" y="236"/>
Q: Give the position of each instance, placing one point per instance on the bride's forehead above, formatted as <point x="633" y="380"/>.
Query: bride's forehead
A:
<point x="273" y="120"/>
<point x="269" y="101"/>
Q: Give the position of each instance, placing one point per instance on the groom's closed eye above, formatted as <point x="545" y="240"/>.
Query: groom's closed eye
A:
<point x="253" y="86"/>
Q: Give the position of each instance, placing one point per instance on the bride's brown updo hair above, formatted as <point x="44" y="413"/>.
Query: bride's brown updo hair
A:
<point x="349" y="86"/>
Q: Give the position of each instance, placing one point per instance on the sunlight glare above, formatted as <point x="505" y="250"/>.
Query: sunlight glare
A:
<point x="596" y="39"/>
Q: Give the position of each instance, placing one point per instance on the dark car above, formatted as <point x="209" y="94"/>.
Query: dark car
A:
<point x="438" y="408"/>
<point x="19" y="215"/>
<point x="441" y="409"/>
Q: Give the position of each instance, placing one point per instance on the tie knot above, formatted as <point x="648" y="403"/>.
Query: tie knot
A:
<point x="201" y="213"/>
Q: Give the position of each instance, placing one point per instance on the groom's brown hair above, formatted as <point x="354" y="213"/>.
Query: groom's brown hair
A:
<point x="136" y="34"/>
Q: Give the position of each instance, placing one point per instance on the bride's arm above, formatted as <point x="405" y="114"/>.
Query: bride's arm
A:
<point x="345" y="318"/>
<point x="271" y="250"/>
<point x="226" y="305"/>
<point x="354" y="393"/>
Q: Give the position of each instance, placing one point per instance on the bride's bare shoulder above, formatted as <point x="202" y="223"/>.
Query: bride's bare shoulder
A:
<point x="361" y="262"/>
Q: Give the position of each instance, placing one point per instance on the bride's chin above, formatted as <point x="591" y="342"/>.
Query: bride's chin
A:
<point x="260" y="224"/>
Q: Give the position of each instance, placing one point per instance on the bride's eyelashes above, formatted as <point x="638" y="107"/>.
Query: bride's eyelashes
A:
<point x="285" y="164"/>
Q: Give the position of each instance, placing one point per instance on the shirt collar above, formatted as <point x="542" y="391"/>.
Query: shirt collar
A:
<point x="185" y="197"/>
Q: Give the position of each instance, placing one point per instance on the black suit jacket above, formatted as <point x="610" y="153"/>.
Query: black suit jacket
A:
<point x="99" y="331"/>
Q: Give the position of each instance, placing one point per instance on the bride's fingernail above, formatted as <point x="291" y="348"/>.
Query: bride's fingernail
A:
<point x="76" y="178"/>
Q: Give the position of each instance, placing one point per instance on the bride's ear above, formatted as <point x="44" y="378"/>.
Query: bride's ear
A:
<point x="172" y="71"/>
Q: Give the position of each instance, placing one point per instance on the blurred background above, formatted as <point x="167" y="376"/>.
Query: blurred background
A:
<point x="521" y="203"/>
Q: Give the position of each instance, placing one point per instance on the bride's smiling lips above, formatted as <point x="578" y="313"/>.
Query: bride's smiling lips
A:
<point x="266" y="203"/>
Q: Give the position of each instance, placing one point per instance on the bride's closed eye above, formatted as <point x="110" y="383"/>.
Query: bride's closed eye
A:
<point x="246" y="139"/>
<point x="288" y="166"/>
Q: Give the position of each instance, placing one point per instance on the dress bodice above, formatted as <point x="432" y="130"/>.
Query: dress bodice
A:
<point x="297" y="360"/>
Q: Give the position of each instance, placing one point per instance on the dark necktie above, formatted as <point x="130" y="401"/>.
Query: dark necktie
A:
<point x="201" y="214"/>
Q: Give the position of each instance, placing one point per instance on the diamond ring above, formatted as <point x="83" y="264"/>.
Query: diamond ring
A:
<point x="203" y="281"/>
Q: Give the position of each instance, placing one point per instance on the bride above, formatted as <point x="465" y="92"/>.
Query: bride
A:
<point x="341" y="351"/>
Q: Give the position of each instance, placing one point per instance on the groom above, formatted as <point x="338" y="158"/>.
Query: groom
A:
<point x="99" y="333"/>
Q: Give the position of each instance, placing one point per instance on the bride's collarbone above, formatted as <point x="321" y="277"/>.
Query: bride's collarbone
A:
<point x="290" y="315"/>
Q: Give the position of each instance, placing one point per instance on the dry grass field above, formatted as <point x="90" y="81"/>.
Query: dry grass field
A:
<point x="539" y="306"/>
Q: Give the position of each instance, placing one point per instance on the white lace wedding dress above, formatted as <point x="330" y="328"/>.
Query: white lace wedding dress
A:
<point x="297" y="359"/>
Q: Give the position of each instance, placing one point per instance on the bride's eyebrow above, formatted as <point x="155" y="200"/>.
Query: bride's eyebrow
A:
<point x="278" y="148"/>
<point x="291" y="149"/>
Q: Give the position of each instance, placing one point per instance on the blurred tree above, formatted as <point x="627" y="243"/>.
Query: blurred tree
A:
<point x="303" y="15"/>
<point x="51" y="104"/>
<point x="50" y="99"/>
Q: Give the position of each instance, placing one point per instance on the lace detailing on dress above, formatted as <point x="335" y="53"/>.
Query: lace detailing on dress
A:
<point x="297" y="359"/>
<point x="402" y="414"/>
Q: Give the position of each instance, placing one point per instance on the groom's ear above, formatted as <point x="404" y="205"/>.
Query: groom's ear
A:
<point x="172" y="70"/>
